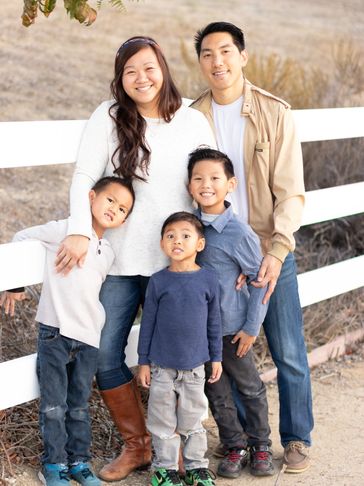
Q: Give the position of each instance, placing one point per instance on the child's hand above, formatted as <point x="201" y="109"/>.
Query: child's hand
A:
<point x="215" y="371"/>
<point x="144" y="375"/>
<point x="240" y="282"/>
<point x="8" y="300"/>
<point x="245" y="343"/>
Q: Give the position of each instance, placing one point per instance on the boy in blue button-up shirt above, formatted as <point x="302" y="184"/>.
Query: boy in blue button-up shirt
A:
<point x="232" y="248"/>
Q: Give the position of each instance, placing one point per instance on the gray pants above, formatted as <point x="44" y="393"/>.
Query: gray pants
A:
<point x="175" y="409"/>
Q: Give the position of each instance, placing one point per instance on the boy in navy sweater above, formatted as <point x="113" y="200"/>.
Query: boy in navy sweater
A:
<point x="180" y="331"/>
<point x="232" y="248"/>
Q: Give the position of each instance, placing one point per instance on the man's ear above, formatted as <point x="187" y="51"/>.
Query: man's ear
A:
<point x="244" y="58"/>
<point x="201" y="244"/>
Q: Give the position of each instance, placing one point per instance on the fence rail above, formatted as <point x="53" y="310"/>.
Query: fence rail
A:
<point x="56" y="142"/>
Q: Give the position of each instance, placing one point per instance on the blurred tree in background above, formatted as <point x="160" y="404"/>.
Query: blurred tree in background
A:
<point x="77" y="9"/>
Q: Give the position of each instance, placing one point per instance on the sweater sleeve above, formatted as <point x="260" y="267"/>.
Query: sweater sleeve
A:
<point x="148" y="323"/>
<point x="248" y="256"/>
<point x="92" y="159"/>
<point x="214" y="323"/>
<point x="52" y="232"/>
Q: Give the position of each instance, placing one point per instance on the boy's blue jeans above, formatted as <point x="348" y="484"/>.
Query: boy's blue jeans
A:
<point x="283" y="327"/>
<point x="121" y="297"/>
<point x="65" y="370"/>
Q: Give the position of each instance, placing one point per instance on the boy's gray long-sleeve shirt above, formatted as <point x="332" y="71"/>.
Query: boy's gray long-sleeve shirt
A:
<point x="181" y="322"/>
<point x="71" y="302"/>
<point x="233" y="248"/>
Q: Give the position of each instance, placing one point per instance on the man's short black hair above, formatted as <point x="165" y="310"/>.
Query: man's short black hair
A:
<point x="105" y="181"/>
<point x="236" y="33"/>
<point x="184" y="216"/>
<point x="207" y="153"/>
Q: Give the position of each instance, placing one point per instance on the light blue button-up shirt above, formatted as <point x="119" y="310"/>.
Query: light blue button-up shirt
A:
<point x="232" y="248"/>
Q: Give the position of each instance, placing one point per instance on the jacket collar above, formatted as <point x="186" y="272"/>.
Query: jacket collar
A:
<point x="204" y="102"/>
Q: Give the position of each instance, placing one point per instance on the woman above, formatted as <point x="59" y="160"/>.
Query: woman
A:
<point x="144" y="133"/>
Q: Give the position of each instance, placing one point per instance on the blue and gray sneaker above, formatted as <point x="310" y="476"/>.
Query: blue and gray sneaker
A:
<point x="54" y="475"/>
<point x="83" y="474"/>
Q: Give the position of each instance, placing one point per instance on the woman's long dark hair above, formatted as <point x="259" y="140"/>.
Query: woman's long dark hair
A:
<point x="133" y="152"/>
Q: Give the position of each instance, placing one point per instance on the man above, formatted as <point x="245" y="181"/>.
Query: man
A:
<point x="255" y="129"/>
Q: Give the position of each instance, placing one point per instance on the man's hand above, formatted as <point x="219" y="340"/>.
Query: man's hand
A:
<point x="73" y="250"/>
<point x="269" y="272"/>
<point x="240" y="281"/>
<point x="216" y="370"/>
<point x="9" y="299"/>
<point x="144" y="375"/>
<point x="245" y="343"/>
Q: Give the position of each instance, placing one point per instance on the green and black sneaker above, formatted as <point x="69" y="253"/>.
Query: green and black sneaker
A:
<point x="166" y="477"/>
<point x="200" y="477"/>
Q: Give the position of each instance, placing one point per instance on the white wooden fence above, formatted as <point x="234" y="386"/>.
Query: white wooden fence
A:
<point x="56" y="142"/>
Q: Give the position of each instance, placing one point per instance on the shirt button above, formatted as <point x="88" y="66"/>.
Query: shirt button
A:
<point x="99" y="252"/>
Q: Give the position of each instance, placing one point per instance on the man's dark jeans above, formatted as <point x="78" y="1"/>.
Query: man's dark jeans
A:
<point x="65" y="370"/>
<point x="251" y="392"/>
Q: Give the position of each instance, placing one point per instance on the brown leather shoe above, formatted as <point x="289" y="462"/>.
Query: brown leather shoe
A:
<point x="296" y="457"/>
<point x="125" y="406"/>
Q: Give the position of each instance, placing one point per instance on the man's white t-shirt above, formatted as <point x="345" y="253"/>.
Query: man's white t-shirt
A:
<point x="230" y="127"/>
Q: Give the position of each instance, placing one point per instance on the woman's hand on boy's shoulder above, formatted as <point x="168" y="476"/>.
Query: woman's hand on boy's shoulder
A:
<point x="216" y="370"/>
<point x="8" y="300"/>
<point x="144" y="375"/>
<point x="72" y="251"/>
<point x="245" y="342"/>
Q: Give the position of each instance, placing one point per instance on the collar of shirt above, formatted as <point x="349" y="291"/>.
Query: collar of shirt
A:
<point x="222" y="220"/>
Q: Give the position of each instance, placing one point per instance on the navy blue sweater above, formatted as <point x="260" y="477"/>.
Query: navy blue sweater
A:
<point x="181" y="323"/>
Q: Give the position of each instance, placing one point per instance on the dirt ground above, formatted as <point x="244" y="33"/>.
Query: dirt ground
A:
<point x="338" y="437"/>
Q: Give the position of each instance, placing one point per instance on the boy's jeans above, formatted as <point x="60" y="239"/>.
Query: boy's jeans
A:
<point x="283" y="328"/>
<point x="176" y="406"/>
<point x="65" y="370"/>
<point x="251" y="392"/>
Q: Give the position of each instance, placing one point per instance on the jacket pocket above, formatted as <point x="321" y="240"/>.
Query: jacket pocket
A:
<point x="262" y="147"/>
<point x="261" y="165"/>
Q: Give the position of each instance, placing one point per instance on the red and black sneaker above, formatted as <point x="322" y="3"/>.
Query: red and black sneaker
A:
<point x="261" y="461"/>
<point x="233" y="463"/>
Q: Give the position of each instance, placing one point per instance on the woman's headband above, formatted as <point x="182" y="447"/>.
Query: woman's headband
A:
<point x="145" y="40"/>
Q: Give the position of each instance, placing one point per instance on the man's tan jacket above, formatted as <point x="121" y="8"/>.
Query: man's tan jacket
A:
<point x="273" y="167"/>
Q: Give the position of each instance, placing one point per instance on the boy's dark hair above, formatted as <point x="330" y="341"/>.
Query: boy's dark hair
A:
<point x="236" y="33"/>
<point x="184" y="216"/>
<point x="207" y="153"/>
<point x="105" y="181"/>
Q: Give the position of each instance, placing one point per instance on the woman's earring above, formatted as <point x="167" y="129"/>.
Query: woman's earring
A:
<point x="194" y="204"/>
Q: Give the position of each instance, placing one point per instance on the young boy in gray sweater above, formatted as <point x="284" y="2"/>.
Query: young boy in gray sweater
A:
<point x="71" y="318"/>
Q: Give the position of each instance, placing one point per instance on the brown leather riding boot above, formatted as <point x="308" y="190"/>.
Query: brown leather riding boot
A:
<point x="125" y="406"/>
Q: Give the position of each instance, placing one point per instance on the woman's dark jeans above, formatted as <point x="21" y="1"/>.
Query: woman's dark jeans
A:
<point x="121" y="297"/>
